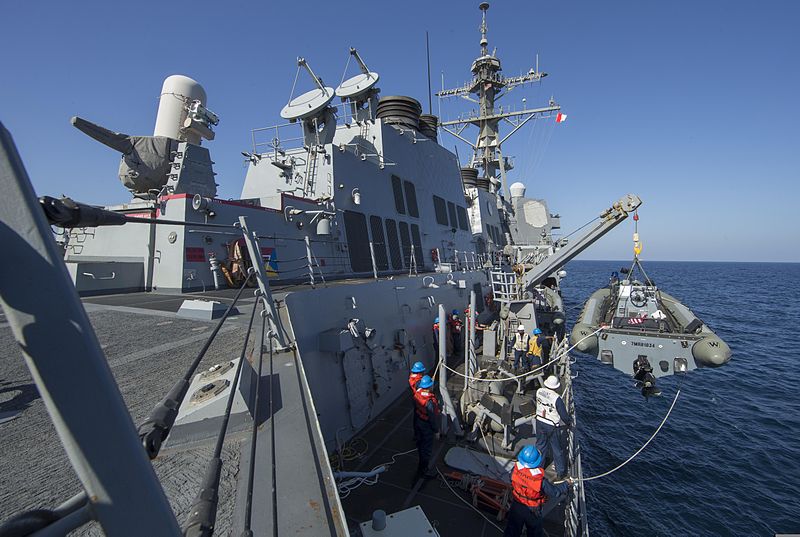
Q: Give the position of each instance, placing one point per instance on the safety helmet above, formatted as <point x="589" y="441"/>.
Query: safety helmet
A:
<point x="436" y="320"/>
<point x="425" y="382"/>
<point x="418" y="367"/>
<point x="530" y="457"/>
<point x="536" y="331"/>
<point x="455" y="312"/>
<point x="552" y="383"/>
<point x="520" y="328"/>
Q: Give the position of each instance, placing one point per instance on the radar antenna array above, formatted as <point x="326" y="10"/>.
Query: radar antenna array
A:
<point x="485" y="89"/>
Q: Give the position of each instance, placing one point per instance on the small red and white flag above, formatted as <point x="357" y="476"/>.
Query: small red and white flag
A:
<point x="561" y="118"/>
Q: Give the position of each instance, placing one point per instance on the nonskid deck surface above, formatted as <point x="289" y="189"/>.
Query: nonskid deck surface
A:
<point x="391" y="434"/>
<point x="171" y="302"/>
<point x="147" y="353"/>
<point x="398" y="488"/>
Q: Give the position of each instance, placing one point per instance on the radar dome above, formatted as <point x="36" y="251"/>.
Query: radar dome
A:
<point x="517" y="190"/>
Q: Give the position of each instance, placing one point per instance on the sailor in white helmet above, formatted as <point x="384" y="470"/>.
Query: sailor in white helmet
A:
<point x="551" y="420"/>
<point x="520" y="346"/>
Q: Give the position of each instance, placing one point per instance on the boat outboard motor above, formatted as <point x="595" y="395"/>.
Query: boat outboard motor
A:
<point x="643" y="373"/>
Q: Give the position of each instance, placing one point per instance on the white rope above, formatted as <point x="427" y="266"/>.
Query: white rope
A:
<point x="485" y="443"/>
<point x="675" y="400"/>
<point x="557" y="358"/>
<point x="457" y="495"/>
<point x="347" y="486"/>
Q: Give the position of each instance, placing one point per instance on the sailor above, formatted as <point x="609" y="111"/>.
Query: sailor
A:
<point x="521" y="342"/>
<point x="529" y="492"/>
<point x="436" y="336"/>
<point x="426" y="424"/>
<point x="534" y="356"/>
<point x="456" y="330"/>
<point x="417" y="372"/>
<point x="478" y="326"/>
<point x="538" y="348"/>
<point x="551" y="420"/>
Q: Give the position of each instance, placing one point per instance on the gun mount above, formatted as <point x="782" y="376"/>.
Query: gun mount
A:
<point x="148" y="161"/>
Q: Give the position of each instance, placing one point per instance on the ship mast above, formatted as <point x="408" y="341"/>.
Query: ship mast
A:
<point x="489" y="85"/>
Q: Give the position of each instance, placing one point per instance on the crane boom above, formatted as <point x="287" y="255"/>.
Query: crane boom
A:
<point x="609" y="219"/>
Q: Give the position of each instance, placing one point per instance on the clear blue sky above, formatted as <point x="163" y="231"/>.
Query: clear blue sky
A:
<point x="692" y="105"/>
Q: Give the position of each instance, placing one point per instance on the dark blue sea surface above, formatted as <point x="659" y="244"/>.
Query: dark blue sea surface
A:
<point x="728" y="460"/>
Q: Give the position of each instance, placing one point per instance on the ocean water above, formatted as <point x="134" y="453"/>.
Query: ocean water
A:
<point x="727" y="462"/>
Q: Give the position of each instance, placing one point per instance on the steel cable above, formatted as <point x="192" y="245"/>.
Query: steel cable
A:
<point x="155" y="429"/>
<point x="254" y="435"/>
<point x="203" y="513"/>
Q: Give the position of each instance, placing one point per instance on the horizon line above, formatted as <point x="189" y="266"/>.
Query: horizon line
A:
<point x="689" y="261"/>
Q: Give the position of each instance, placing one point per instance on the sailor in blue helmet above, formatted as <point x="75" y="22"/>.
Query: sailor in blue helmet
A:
<point x="426" y="424"/>
<point x="535" y="355"/>
<point x="529" y="492"/>
<point x="456" y="332"/>
<point x="436" y="337"/>
<point x="417" y="372"/>
<point x="552" y="419"/>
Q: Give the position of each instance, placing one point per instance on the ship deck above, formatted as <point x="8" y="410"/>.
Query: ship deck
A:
<point x="148" y="347"/>
<point x="389" y="438"/>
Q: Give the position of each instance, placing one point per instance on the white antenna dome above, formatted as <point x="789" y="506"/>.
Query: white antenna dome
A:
<point x="517" y="190"/>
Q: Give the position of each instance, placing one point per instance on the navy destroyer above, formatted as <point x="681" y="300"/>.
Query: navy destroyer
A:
<point x="356" y="229"/>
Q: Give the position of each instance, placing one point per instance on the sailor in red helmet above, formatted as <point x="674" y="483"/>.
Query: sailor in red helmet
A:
<point x="426" y="424"/>
<point x="529" y="492"/>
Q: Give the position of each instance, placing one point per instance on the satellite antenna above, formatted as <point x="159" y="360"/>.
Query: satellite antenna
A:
<point x="311" y="103"/>
<point x="361" y="83"/>
<point x="360" y="89"/>
<point x="319" y="119"/>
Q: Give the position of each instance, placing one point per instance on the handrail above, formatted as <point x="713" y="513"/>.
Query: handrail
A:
<point x="58" y="342"/>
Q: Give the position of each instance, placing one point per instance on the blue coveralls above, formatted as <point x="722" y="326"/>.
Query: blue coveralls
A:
<point x="424" y="431"/>
<point x="549" y="438"/>
<point x="520" y="515"/>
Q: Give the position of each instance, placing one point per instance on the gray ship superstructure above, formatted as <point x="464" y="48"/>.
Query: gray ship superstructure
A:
<point x="356" y="229"/>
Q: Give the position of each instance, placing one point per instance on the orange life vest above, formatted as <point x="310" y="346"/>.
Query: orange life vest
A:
<point x="526" y="485"/>
<point x="421" y="398"/>
<point x="413" y="379"/>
